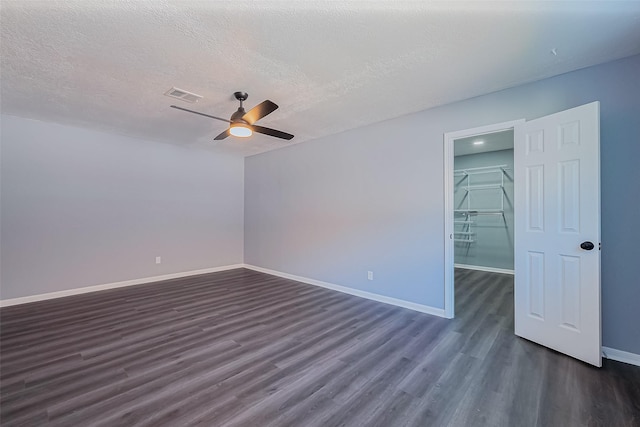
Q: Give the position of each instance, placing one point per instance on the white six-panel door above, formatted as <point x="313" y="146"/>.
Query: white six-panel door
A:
<point x="557" y="208"/>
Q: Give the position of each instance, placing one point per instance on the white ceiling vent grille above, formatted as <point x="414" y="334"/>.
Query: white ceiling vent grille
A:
<point x="174" y="92"/>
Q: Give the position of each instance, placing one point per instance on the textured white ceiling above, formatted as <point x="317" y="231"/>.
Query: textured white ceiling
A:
<point x="330" y="65"/>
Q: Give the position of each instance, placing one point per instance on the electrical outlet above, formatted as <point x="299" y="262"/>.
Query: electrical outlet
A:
<point x="158" y="260"/>
<point x="370" y="275"/>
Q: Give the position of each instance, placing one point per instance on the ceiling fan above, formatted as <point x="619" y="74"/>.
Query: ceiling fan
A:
<point x="242" y="123"/>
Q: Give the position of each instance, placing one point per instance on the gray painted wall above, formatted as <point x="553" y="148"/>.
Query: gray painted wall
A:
<point x="372" y="198"/>
<point x="492" y="244"/>
<point x="82" y="208"/>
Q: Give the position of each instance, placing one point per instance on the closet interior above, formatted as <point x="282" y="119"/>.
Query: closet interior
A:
<point x="483" y="202"/>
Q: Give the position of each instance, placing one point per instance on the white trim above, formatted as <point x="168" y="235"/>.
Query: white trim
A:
<point x="87" y="289"/>
<point x="449" y="138"/>
<point x="483" y="268"/>
<point x="362" y="294"/>
<point x="621" y="356"/>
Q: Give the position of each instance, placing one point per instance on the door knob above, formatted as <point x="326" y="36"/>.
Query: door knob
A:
<point x="587" y="246"/>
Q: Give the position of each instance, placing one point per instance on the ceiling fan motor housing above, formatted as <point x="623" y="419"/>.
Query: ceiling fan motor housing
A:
<point x="237" y="116"/>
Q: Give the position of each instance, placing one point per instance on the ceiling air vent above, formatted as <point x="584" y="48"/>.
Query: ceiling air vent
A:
<point x="174" y="92"/>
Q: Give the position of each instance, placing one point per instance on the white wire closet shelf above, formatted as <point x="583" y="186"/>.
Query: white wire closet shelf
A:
<point x="482" y="187"/>
<point x="478" y="184"/>
<point x="480" y="211"/>
<point x="485" y="169"/>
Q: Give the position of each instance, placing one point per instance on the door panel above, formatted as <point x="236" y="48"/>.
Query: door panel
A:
<point x="535" y="198"/>
<point x="557" y="204"/>
<point x="535" y="284"/>
<point x="570" y="297"/>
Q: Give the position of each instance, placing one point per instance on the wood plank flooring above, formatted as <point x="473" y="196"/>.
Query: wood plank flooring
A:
<point x="241" y="348"/>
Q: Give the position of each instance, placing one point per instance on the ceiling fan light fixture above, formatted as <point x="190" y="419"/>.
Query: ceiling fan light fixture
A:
<point x="240" y="130"/>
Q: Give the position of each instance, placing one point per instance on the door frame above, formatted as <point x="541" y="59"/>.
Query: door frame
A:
<point x="449" y="138"/>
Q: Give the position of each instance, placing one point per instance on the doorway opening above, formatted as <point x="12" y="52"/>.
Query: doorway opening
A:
<point x="483" y="202"/>
<point x="479" y="206"/>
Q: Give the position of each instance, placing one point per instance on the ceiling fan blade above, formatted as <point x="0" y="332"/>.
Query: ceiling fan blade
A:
<point x="202" y="114"/>
<point x="223" y="135"/>
<point x="259" y="111"/>
<point x="272" y="132"/>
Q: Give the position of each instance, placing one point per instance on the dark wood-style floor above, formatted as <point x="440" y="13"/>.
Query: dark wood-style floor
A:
<point x="241" y="348"/>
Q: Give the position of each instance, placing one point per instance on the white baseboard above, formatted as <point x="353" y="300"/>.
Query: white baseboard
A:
<point x="621" y="356"/>
<point x="362" y="294"/>
<point x="87" y="289"/>
<point x="482" y="268"/>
